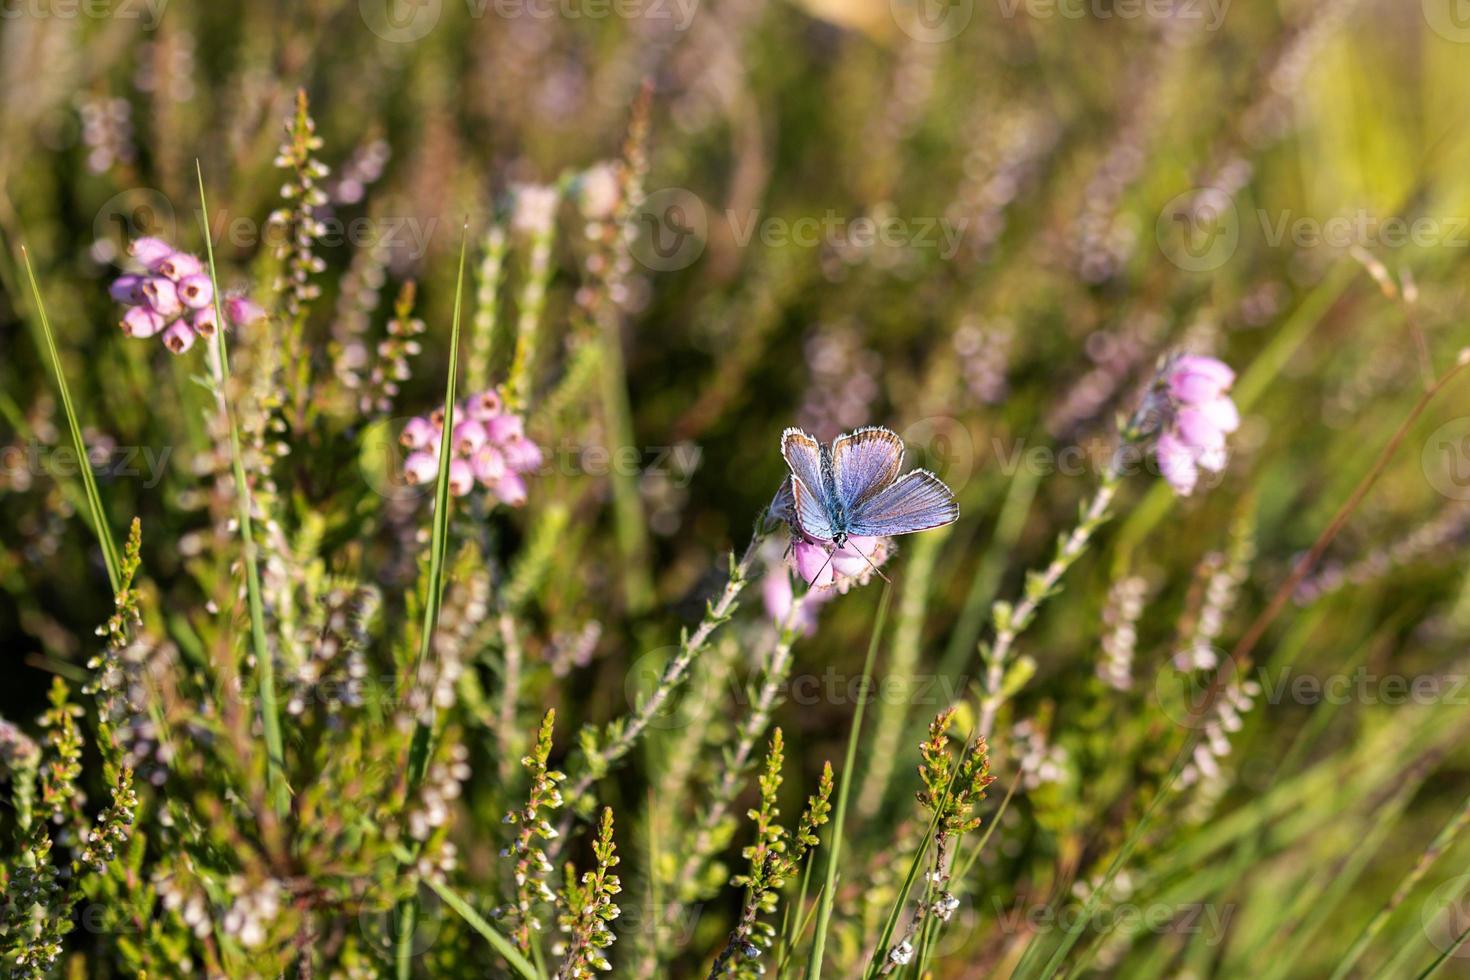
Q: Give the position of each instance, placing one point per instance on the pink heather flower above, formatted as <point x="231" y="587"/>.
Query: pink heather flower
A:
<point x="196" y="292"/>
<point x="419" y="433"/>
<point x="150" y="251"/>
<point x="204" y="321"/>
<point x="1194" y="379"/>
<point x="469" y="436"/>
<point x="484" y="406"/>
<point x="778" y="595"/>
<point x="161" y="295"/>
<point x="179" y="266"/>
<point x="140" y="321"/>
<point x="510" y="490"/>
<point x="521" y="454"/>
<point x="489" y="465"/>
<point x="420" y="467"/>
<point x="242" y="312"/>
<point x="504" y="427"/>
<point x="127" y="289"/>
<point x="489" y="447"/>
<point x="1199" y="416"/>
<point x="179" y="337"/>
<point x="461" y="477"/>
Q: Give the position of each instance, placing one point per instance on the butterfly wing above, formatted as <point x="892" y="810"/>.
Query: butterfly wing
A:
<point x="916" y="501"/>
<point x="863" y="463"/>
<point x="811" y="517"/>
<point x="804" y="455"/>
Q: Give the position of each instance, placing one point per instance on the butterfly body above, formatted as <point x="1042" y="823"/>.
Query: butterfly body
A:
<point x="852" y="488"/>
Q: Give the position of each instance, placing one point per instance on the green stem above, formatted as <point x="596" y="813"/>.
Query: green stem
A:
<point x="844" y="789"/>
<point x="270" y="717"/>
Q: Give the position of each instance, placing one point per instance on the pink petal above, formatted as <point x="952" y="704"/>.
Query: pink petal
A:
<point x="150" y="251"/>
<point x="1195" y="429"/>
<point x="812" y="563"/>
<point x="1176" y="464"/>
<point x="127" y="289"/>
<point x="196" y="292"/>
<point x="504" y="427"/>
<point x="489" y="466"/>
<point x="162" y="295"/>
<point x="141" y="321"/>
<point x="420" y="468"/>
<point x="179" y="337"/>
<point x="179" y="266"/>
<point x="1221" y="413"/>
<point x="510" y="489"/>
<point x="418" y="433"/>
<point x="242" y="312"/>
<point x="461" y="477"/>
<point x="1194" y="379"/>
<point x="469" y="435"/>
<point x="205" y="321"/>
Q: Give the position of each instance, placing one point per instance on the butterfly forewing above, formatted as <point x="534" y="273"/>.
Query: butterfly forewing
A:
<point x="811" y="516"/>
<point x="804" y="455"/>
<point x="916" y="501"/>
<point x="863" y="463"/>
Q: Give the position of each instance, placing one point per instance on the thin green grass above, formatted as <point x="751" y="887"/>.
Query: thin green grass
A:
<point x="270" y="718"/>
<point x="95" y="511"/>
<point x="844" y="789"/>
<point x="420" y="749"/>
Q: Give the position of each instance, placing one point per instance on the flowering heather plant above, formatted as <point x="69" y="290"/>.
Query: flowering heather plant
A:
<point x="489" y="448"/>
<point x="173" y="299"/>
<point x="291" y="694"/>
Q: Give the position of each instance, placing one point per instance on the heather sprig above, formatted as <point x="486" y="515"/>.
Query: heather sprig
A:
<point x="588" y="907"/>
<point x="776" y="857"/>
<point x="295" y="227"/>
<point x="531" y="864"/>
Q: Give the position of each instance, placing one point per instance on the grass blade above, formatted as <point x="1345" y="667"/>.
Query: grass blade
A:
<point x="265" y="671"/>
<point x="844" y="789"/>
<point x="423" y="734"/>
<point x="89" y="480"/>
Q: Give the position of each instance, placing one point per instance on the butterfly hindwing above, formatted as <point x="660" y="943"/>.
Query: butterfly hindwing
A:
<point x="863" y="463"/>
<point x="811" y="516"/>
<point x="916" y="501"/>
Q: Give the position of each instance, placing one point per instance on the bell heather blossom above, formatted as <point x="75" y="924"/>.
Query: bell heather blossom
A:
<point x="174" y="298"/>
<point x="1198" y="416"/>
<point x="852" y="564"/>
<point x="489" y="446"/>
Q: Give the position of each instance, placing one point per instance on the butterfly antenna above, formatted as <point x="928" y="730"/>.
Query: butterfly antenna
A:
<point x="830" y="555"/>
<point x="876" y="570"/>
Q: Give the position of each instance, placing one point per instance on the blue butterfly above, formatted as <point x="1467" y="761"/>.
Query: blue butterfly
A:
<point x="852" y="488"/>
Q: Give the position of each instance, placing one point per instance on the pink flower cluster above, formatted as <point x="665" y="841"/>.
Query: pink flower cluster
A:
<point x="1199" y="416"/>
<point x="173" y="297"/>
<point x="488" y="446"/>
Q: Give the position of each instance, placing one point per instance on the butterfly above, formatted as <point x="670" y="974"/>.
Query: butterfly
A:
<point x="852" y="488"/>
